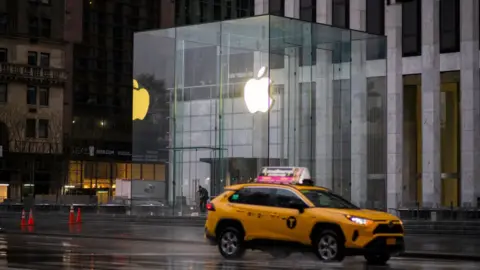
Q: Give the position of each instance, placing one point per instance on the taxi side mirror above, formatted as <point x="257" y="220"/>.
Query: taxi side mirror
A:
<point x="299" y="206"/>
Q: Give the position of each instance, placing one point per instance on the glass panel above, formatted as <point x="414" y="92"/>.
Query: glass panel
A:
<point x="450" y="137"/>
<point x="293" y="126"/>
<point x="412" y="140"/>
<point x="245" y="102"/>
<point x="153" y="73"/>
<point x="258" y="91"/>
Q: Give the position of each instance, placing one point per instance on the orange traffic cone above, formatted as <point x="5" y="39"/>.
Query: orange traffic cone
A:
<point x="23" y="222"/>
<point x="79" y="216"/>
<point x="31" y="222"/>
<point x="71" y="217"/>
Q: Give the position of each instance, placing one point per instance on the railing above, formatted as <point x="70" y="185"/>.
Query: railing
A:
<point x="438" y="213"/>
<point x="45" y="75"/>
<point x="138" y="207"/>
<point x="40" y="147"/>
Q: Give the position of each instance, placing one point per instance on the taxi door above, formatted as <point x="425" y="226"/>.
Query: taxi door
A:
<point x="289" y="224"/>
<point x="252" y="206"/>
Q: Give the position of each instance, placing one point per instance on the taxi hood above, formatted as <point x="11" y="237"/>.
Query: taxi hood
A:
<point x="361" y="213"/>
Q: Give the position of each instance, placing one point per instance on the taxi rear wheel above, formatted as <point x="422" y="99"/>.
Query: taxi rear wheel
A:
<point x="329" y="247"/>
<point x="230" y="243"/>
<point x="377" y="259"/>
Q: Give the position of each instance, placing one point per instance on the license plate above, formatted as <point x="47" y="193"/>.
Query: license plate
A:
<point x="391" y="241"/>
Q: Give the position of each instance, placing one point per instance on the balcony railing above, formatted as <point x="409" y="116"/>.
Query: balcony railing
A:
<point x="32" y="74"/>
<point x="36" y="147"/>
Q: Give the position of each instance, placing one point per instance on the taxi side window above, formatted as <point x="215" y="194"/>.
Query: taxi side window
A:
<point x="253" y="196"/>
<point x="285" y="198"/>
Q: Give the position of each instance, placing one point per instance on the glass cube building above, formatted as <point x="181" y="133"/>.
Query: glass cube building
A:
<point x="236" y="95"/>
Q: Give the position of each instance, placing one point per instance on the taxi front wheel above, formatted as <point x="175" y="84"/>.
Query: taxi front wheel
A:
<point x="230" y="243"/>
<point x="329" y="247"/>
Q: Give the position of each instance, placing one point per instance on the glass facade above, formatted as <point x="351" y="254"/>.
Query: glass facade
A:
<point x="317" y="104"/>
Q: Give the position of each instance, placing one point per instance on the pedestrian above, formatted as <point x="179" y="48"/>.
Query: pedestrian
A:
<point x="203" y="194"/>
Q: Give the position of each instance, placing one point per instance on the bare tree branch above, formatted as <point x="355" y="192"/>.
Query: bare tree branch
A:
<point x="15" y="119"/>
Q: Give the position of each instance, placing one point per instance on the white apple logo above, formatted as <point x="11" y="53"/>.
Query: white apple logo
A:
<point x="257" y="93"/>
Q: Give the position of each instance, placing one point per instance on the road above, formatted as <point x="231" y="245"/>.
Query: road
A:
<point x="42" y="252"/>
<point x="194" y="235"/>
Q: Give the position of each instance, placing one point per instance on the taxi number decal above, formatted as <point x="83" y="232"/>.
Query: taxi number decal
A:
<point x="291" y="222"/>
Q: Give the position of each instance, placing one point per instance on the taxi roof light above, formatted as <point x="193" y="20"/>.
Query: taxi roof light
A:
<point x="285" y="176"/>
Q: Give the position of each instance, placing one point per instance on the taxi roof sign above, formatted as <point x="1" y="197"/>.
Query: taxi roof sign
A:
<point x="284" y="175"/>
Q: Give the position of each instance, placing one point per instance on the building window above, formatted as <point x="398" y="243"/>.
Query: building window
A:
<point x="30" y="129"/>
<point x="245" y="8"/>
<point x="46" y="27"/>
<point x="376" y="25"/>
<point x="31" y="95"/>
<point x="276" y="7"/>
<point x="32" y="58"/>
<point x="44" y="59"/>
<point x="3" y="55"/>
<point x="33" y="26"/>
<point x="44" y="95"/>
<point x="412" y="28"/>
<point x="3" y="23"/>
<point x="341" y="13"/>
<point x="449" y="26"/>
<point x="3" y="93"/>
<point x="308" y="10"/>
<point x="43" y="128"/>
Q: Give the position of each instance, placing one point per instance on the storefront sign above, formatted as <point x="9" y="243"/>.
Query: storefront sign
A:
<point x="92" y="151"/>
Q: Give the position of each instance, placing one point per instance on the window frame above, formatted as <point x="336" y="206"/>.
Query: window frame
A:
<point x="376" y="48"/>
<point x="33" y="26"/>
<point x="418" y="28"/>
<point x="43" y="28"/>
<point x="278" y="9"/>
<point x="29" y="87"/>
<point x="308" y="10"/>
<point x="306" y="205"/>
<point x="456" y="32"/>
<point x="27" y="121"/>
<point x="39" y="125"/>
<point x="271" y="192"/>
<point x="40" y="62"/>
<point x="35" y="54"/>
<point x="4" y="51"/>
<point x="42" y="90"/>
<point x="4" y="89"/>
<point x="346" y="5"/>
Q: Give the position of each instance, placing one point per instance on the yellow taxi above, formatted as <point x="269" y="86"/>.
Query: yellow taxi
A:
<point x="282" y="212"/>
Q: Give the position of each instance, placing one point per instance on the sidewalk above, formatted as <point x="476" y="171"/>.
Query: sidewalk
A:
<point x="421" y="246"/>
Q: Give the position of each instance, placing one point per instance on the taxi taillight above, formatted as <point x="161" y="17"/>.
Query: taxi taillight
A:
<point x="210" y="207"/>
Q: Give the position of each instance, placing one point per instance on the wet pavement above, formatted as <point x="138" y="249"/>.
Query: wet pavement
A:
<point x="415" y="244"/>
<point x="42" y="252"/>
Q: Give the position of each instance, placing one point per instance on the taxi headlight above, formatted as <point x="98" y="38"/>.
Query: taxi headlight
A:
<point x="359" y="221"/>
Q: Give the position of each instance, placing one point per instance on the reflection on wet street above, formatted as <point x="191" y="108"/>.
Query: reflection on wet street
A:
<point x="39" y="252"/>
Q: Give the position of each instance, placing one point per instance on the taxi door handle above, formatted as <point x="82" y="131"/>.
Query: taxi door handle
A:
<point x="274" y="215"/>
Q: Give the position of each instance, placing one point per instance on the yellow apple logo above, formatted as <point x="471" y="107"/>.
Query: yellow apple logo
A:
<point x="141" y="102"/>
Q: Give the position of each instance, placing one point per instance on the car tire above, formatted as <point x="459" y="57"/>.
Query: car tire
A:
<point x="377" y="259"/>
<point x="231" y="244"/>
<point x="329" y="246"/>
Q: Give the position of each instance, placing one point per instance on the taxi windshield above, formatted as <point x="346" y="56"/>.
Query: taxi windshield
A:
<point x="326" y="199"/>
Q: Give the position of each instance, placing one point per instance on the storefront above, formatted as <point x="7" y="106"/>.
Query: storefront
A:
<point x="95" y="171"/>
<point x="267" y="90"/>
